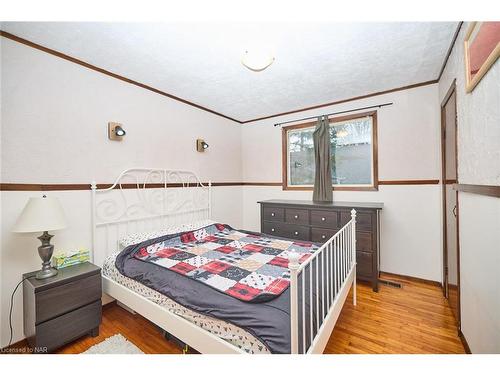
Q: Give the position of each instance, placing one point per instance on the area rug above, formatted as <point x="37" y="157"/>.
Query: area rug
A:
<point x="116" y="344"/>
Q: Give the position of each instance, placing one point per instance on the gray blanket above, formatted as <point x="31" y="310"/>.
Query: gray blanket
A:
<point x="269" y="321"/>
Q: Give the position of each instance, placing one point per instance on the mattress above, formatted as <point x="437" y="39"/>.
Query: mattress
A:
<point x="222" y="329"/>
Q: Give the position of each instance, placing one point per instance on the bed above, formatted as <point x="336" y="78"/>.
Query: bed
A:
<point x="146" y="204"/>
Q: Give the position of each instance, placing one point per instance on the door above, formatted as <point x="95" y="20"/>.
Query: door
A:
<point x="451" y="258"/>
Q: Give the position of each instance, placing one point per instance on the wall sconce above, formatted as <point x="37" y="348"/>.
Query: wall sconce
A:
<point x="201" y="145"/>
<point x="115" y="131"/>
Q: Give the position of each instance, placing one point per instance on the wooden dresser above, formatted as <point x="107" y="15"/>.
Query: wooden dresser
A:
<point x="317" y="222"/>
<point x="62" y="308"/>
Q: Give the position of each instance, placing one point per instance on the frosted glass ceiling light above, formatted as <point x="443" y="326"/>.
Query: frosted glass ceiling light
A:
<point x="257" y="60"/>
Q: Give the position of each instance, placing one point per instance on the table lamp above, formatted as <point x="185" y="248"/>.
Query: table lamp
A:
<point x="42" y="214"/>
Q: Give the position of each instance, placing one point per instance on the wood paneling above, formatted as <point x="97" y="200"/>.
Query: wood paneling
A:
<point x="413" y="319"/>
<point x="489" y="190"/>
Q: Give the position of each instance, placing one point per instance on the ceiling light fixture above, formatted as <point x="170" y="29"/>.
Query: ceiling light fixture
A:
<point x="257" y="61"/>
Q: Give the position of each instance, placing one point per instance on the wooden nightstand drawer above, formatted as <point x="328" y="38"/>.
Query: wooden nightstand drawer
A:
<point x="65" y="328"/>
<point x="61" y="299"/>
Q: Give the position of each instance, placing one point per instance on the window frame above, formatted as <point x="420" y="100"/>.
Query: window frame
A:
<point x="284" y="154"/>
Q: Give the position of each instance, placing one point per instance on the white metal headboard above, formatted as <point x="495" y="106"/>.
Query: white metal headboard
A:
<point x="145" y="200"/>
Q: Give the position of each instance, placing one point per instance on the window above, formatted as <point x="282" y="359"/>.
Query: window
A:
<point x="353" y="153"/>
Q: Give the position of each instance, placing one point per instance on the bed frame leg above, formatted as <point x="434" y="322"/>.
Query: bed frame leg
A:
<point x="354" y="297"/>
<point x="353" y="242"/>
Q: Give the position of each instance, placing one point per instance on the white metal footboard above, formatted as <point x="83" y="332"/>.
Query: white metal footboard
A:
<point x="319" y="288"/>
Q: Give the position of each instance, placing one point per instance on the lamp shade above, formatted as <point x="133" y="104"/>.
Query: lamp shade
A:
<point x="41" y="214"/>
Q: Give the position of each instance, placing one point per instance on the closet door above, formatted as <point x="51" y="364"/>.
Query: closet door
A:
<point x="450" y="204"/>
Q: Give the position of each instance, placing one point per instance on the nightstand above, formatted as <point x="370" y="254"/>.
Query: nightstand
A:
<point x="62" y="308"/>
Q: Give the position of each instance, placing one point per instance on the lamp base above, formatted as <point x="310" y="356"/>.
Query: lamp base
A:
<point x="45" y="251"/>
<point x="45" y="274"/>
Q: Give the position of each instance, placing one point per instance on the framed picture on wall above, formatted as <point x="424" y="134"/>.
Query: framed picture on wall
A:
<point x="482" y="48"/>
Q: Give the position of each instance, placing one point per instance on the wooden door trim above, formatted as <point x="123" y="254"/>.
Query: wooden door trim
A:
<point x="450" y="92"/>
<point x="488" y="190"/>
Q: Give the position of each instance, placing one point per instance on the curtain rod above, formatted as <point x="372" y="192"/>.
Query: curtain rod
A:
<point x="334" y="113"/>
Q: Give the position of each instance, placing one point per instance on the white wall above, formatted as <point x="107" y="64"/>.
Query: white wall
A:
<point x="409" y="148"/>
<point x="54" y="126"/>
<point x="479" y="216"/>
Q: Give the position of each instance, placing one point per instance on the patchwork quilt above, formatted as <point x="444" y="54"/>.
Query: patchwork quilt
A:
<point x="247" y="266"/>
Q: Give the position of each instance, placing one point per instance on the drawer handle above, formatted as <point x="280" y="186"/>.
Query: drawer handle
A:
<point x="296" y="233"/>
<point x="296" y="216"/>
<point x="323" y="236"/>
<point x="272" y="213"/>
<point x="272" y="229"/>
<point x="323" y="218"/>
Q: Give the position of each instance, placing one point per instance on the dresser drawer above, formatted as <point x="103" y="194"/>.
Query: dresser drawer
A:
<point x="65" y="328"/>
<point x="364" y="241"/>
<point x="295" y="216"/>
<point x="363" y="219"/>
<point x="324" y="219"/>
<point x="321" y="234"/>
<point x="61" y="299"/>
<point x="273" y="228"/>
<point x="290" y="231"/>
<point x="274" y="214"/>
<point x="364" y="264"/>
<point x="297" y="232"/>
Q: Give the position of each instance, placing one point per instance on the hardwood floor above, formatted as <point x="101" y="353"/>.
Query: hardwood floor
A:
<point x="413" y="319"/>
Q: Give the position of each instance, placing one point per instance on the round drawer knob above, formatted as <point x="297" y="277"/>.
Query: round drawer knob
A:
<point x="296" y="233"/>
<point x="272" y="213"/>
<point x="272" y="229"/>
<point x="323" y="218"/>
<point x="296" y="216"/>
<point x="323" y="236"/>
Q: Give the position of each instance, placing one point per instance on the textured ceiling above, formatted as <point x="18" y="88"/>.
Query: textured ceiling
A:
<point x="315" y="63"/>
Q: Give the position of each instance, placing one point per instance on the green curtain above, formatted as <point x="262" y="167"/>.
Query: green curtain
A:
<point x="323" y="191"/>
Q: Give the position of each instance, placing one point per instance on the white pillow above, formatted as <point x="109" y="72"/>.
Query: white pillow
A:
<point x="134" y="238"/>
